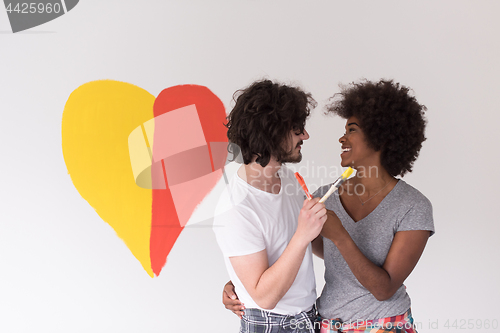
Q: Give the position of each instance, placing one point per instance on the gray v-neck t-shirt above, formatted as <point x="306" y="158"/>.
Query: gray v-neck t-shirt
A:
<point x="343" y="297"/>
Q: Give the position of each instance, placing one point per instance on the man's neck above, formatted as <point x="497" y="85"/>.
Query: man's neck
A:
<point x="263" y="178"/>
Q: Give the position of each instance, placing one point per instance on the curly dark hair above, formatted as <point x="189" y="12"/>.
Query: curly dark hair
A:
<point x="263" y="116"/>
<point x="391" y="119"/>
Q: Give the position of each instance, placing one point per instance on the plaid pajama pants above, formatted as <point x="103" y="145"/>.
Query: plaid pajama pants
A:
<point x="397" y="324"/>
<point x="259" y="321"/>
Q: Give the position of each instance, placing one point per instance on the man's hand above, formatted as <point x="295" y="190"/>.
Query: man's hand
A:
<point x="312" y="216"/>
<point x="231" y="301"/>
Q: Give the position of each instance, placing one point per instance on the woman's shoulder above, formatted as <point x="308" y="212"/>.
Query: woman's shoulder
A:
<point x="408" y="194"/>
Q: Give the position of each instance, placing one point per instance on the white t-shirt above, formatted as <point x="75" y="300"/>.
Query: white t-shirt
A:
<point x="248" y="220"/>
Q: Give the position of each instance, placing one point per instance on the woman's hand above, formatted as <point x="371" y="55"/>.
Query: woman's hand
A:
<point x="333" y="228"/>
<point x="231" y="301"/>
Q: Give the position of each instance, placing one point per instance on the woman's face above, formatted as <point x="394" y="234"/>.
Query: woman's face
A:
<point x="355" y="149"/>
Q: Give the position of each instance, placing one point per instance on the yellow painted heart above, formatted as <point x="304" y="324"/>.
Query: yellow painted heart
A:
<point x="144" y="163"/>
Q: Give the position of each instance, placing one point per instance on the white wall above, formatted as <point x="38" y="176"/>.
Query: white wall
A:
<point x="63" y="269"/>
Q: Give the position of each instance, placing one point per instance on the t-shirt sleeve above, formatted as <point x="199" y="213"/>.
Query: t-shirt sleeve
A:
<point x="418" y="217"/>
<point x="238" y="233"/>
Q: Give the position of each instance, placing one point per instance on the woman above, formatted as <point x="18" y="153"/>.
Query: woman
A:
<point x="377" y="225"/>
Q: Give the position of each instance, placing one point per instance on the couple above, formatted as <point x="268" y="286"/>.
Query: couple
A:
<point x="371" y="233"/>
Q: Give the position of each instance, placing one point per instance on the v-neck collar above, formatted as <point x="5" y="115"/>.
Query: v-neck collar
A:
<point x="350" y="219"/>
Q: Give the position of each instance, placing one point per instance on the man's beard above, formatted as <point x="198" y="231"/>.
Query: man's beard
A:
<point x="290" y="158"/>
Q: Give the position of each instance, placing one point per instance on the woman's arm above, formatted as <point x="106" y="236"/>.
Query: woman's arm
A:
<point x="382" y="282"/>
<point x="317" y="247"/>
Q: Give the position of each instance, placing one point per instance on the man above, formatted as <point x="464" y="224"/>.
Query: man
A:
<point x="262" y="230"/>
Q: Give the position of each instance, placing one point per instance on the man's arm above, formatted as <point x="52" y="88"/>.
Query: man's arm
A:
<point x="267" y="285"/>
<point x="229" y="297"/>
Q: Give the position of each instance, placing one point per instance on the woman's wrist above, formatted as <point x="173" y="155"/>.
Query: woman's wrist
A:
<point x="341" y="238"/>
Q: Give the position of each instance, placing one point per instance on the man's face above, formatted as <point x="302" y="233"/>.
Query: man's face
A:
<point x="294" y="143"/>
